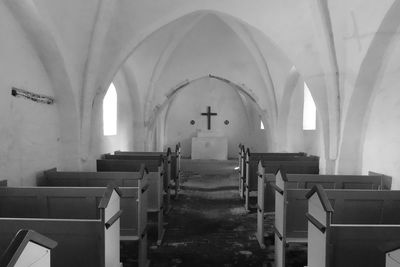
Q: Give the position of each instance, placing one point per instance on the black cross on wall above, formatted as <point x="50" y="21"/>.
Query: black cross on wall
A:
<point x="209" y="114"/>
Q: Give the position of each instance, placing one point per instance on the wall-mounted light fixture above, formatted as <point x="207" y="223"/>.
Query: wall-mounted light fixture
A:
<point x="32" y="96"/>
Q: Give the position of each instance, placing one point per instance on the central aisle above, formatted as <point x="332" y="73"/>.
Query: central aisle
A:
<point x="208" y="225"/>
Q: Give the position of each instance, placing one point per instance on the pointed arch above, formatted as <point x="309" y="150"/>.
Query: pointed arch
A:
<point x="368" y="80"/>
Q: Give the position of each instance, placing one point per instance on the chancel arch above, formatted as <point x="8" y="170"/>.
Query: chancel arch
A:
<point x="188" y="102"/>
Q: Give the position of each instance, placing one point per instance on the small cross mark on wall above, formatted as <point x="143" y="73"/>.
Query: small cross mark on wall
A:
<point x="356" y="33"/>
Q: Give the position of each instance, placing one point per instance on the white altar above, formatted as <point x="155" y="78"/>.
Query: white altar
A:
<point x="210" y="145"/>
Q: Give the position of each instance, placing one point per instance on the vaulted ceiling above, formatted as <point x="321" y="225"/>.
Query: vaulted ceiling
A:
<point x="340" y="48"/>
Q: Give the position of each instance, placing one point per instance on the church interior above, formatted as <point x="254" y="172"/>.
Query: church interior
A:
<point x="200" y="80"/>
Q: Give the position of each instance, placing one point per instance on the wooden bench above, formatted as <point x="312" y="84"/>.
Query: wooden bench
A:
<point x="291" y="203"/>
<point x="84" y="221"/>
<point x="154" y="166"/>
<point x="135" y="206"/>
<point x="352" y="227"/>
<point x="172" y="168"/>
<point x="271" y="164"/>
<point x="150" y="159"/>
<point x="242" y="166"/>
<point x="27" y="248"/>
<point x="243" y="153"/>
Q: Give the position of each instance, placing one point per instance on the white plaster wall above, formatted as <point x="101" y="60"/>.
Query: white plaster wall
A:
<point x="224" y="100"/>
<point x="257" y="141"/>
<point x="101" y="144"/>
<point x="29" y="131"/>
<point x="381" y="151"/>
<point x="381" y="147"/>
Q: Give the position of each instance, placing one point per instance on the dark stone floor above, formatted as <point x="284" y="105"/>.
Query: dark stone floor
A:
<point x="208" y="225"/>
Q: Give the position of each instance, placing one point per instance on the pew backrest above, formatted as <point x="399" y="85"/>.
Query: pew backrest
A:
<point x="172" y="158"/>
<point x="94" y="179"/>
<point x="129" y="165"/>
<point x="307" y="181"/>
<point x="242" y="170"/>
<point x="51" y="202"/>
<point x="272" y="167"/>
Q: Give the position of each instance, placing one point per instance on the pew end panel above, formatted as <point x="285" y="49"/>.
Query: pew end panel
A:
<point x="143" y="222"/>
<point x="240" y="169"/>
<point x="260" y="206"/>
<point x="27" y="248"/>
<point x="242" y="175"/>
<point x="111" y="217"/>
<point x="318" y="217"/>
<point x="178" y="164"/>
<point x="156" y="201"/>
<point x="280" y="219"/>
<point x="81" y="239"/>
<point x="393" y="258"/>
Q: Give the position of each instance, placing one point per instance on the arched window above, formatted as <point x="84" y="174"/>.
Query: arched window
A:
<point x="309" y="110"/>
<point x="110" y="111"/>
<point x="262" y="125"/>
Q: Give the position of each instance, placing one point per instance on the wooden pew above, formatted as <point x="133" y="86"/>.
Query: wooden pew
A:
<point x="172" y="166"/>
<point x="240" y="154"/>
<point x="352" y="227"/>
<point x="250" y="172"/>
<point x="292" y="163"/>
<point x="242" y="170"/>
<point x="154" y="166"/>
<point x="27" y="248"/>
<point x="157" y="204"/>
<point x="178" y="175"/>
<point x="147" y="157"/>
<point x="291" y="202"/>
<point x="84" y="221"/>
<point x="135" y="206"/>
